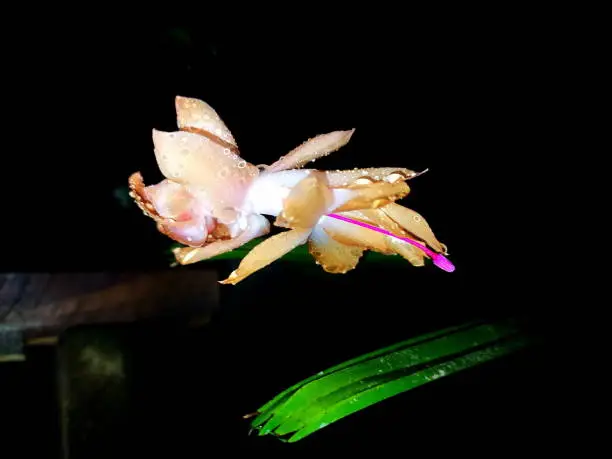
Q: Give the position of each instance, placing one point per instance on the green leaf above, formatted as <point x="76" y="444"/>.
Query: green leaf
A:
<point x="361" y="382"/>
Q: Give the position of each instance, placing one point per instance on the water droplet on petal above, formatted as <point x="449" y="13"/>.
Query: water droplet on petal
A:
<point x="223" y="173"/>
<point x="241" y="164"/>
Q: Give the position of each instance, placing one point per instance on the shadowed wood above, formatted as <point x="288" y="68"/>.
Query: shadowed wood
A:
<point x="43" y="304"/>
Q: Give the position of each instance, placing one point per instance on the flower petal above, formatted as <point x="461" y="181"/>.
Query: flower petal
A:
<point x="354" y="235"/>
<point x="170" y="199"/>
<point x="192" y="233"/>
<point x="197" y="114"/>
<point x="388" y="174"/>
<point x="306" y="202"/>
<point x="378" y="218"/>
<point x="178" y="213"/>
<point x="333" y="256"/>
<point x="415" y="224"/>
<point x="139" y="194"/>
<point x="414" y="255"/>
<point x="368" y="196"/>
<point x="267" y="252"/>
<point x="317" y="147"/>
<point x="194" y="160"/>
<point x="257" y="226"/>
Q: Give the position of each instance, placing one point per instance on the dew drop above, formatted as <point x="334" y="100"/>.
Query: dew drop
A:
<point x="417" y="218"/>
<point x="171" y="135"/>
<point x="241" y="164"/>
<point x="226" y="151"/>
<point x="223" y="173"/>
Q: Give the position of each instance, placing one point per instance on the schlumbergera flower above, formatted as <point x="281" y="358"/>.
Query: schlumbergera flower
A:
<point x="213" y="201"/>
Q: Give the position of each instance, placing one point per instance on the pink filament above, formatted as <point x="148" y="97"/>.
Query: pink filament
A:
<point x="438" y="259"/>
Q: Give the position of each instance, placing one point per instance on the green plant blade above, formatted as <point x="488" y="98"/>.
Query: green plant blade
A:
<point x="391" y="388"/>
<point x="354" y="385"/>
<point x="337" y="384"/>
<point x="268" y="409"/>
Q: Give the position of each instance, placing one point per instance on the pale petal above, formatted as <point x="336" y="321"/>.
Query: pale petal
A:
<point x="378" y="218"/>
<point x="312" y="149"/>
<point x="139" y="194"/>
<point x="170" y="199"/>
<point x="257" y="226"/>
<point x="197" y="161"/>
<point x="268" y="191"/>
<point x="415" y="256"/>
<point x="415" y="224"/>
<point x="267" y="252"/>
<point x="387" y="174"/>
<point x="368" y="196"/>
<point x="333" y="256"/>
<point x="365" y="238"/>
<point x="192" y="233"/>
<point x="195" y="113"/>
<point x="354" y="235"/>
<point x="179" y="215"/>
<point x="306" y="202"/>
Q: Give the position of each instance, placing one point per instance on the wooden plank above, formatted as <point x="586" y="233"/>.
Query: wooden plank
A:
<point x="44" y="304"/>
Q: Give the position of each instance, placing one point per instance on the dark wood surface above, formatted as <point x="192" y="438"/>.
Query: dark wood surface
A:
<point x="42" y="304"/>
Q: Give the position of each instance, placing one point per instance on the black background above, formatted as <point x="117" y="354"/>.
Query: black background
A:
<point x="464" y="95"/>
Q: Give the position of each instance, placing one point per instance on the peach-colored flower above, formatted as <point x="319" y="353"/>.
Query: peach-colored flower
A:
<point x="213" y="201"/>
